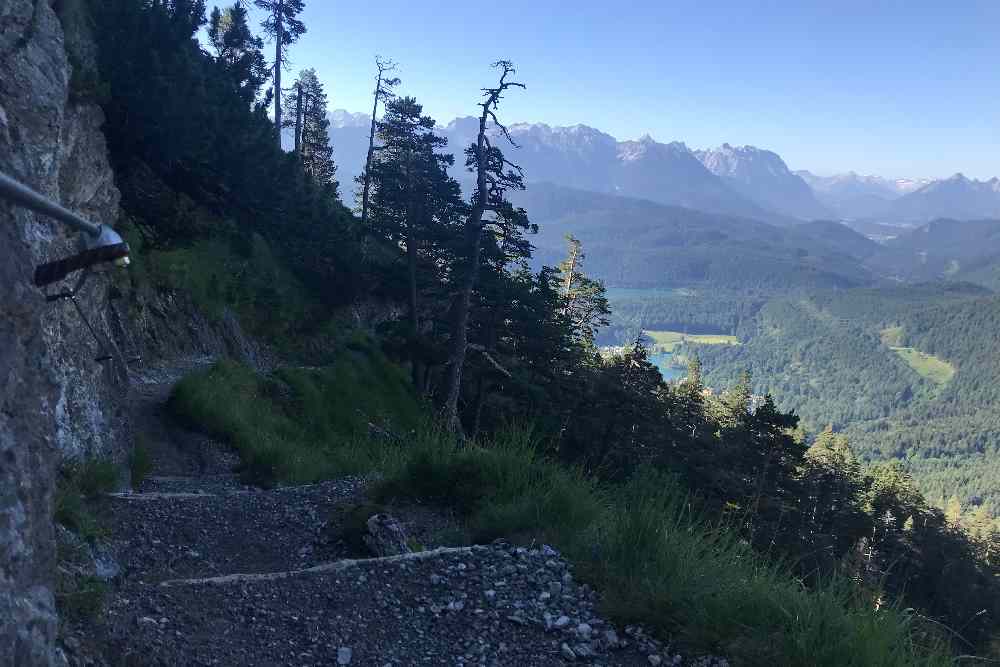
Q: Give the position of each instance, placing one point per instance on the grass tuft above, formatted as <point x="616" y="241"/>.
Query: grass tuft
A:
<point x="658" y="562"/>
<point x="77" y="483"/>
<point x="85" y="599"/>
<point x="140" y="461"/>
<point x="299" y="426"/>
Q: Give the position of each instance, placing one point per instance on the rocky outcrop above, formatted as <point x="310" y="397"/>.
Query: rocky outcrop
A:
<point x="33" y="80"/>
<point x="55" y="401"/>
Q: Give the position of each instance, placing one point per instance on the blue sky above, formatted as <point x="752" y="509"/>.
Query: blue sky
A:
<point x="898" y="89"/>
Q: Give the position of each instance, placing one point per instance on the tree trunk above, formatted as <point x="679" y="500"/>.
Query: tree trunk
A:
<point x="474" y="242"/>
<point x="460" y="328"/>
<point x="568" y="284"/>
<point x="279" y="25"/>
<point x="411" y="261"/>
<point x="298" y="119"/>
<point x="368" y="160"/>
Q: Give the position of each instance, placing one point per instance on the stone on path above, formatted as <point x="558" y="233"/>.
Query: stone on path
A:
<point x="386" y="536"/>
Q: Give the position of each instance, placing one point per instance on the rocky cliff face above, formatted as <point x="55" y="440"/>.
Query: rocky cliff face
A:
<point x="55" y="401"/>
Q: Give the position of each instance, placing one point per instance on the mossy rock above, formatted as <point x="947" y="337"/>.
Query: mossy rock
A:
<point x="350" y="525"/>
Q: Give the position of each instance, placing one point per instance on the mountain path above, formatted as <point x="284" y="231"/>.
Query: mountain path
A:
<point x="212" y="572"/>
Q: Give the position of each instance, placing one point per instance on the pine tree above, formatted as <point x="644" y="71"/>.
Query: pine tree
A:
<point x="383" y="93"/>
<point x="415" y="204"/>
<point x="316" y="152"/>
<point x="238" y="50"/>
<point x="585" y="303"/>
<point x="494" y="176"/>
<point x="284" y="28"/>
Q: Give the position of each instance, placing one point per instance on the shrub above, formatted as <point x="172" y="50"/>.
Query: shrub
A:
<point x="77" y="483"/>
<point x="94" y="477"/>
<point x="85" y="598"/>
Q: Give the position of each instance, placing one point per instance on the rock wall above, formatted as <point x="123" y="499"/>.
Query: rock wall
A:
<point x="55" y="401"/>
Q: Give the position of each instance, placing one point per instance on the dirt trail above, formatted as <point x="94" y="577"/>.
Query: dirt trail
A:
<point x="185" y="538"/>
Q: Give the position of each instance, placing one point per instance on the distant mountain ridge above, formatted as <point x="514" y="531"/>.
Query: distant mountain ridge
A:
<point x="743" y="181"/>
<point x="580" y="157"/>
<point x="764" y="177"/>
<point x="955" y="197"/>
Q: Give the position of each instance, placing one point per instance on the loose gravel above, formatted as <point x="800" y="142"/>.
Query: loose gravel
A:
<point x="211" y="572"/>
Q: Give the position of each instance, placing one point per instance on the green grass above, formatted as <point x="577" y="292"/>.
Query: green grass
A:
<point x="220" y="274"/>
<point x="933" y="368"/>
<point x="77" y="483"/>
<point x="84" y="598"/>
<point x="650" y="293"/>
<point x="140" y="461"/>
<point x="655" y="560"/>
<point x="668" y="341"/>
<point x="892" y="336"/>
<point x="297" y="425"/>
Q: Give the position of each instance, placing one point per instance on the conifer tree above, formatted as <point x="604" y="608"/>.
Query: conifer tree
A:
<point x="495" y="175"/>
<point x="383" y="93"/>
<point x="283" y="26"/>
<point x="585" y="303"/>
<point x="238" y="50"/>
<point x="316" y="152"/>
<point x="415" y="203"/>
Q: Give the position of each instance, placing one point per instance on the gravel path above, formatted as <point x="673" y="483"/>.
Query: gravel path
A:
<point x="282" y="589"/>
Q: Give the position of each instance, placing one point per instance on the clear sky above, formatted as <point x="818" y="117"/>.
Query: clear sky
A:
<point x="898" y="89"/>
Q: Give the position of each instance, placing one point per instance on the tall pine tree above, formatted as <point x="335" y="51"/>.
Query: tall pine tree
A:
<point x="238" y="50"/>
<point x="415" y="203"/>
<point x="314" y="141"/>
<point x="283" y="26"/>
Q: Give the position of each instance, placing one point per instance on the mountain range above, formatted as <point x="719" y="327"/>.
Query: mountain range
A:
<point x="742" y="181"/>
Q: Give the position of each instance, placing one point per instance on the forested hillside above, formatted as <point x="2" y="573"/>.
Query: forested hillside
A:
<point x="950" y="249"/>
<point x="866" y="361"/>
<point x="706" y="516"/>
<point x="638" y="243"/>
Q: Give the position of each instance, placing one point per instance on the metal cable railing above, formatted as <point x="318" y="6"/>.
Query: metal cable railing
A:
<point x="24" y="196"/>
<point x="101" y="246"/>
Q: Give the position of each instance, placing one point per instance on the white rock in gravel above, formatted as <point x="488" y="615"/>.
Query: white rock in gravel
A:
<point x="654" y="660"/>
<point x="584" y="630"/>
<point x="344" y="655"/>
<point x="562" y="622"/>
<point x="567" y="651"/>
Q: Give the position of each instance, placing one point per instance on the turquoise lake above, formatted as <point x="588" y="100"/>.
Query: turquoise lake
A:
<point x="662" y="361"/>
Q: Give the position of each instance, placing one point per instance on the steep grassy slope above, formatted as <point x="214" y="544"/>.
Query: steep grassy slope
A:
<point x="295" y="426"/>
<point x="655" y="560"/>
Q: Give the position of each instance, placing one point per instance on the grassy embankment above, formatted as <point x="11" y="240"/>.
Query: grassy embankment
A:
<point x="933" y="368"/>
<point x="654" y="559"/>
<point x="668" y="341"/>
